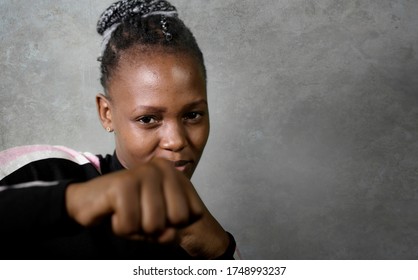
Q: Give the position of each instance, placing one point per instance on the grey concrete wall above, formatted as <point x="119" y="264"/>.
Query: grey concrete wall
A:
<point x="314" y="105"/>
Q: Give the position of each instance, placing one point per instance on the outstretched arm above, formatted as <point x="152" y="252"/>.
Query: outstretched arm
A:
<point x="150" y="202"/>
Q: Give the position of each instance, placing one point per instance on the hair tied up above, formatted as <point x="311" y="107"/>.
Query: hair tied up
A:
<point x="125" y="9"/>
<point x="147" y="25"/>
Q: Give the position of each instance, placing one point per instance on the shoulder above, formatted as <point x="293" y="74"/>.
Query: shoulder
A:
<point x="16" y="158"/>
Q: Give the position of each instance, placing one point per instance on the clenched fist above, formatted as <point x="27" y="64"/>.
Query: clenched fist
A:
<point x="153" y="202"/>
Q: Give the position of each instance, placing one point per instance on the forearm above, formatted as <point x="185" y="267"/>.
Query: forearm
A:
<point x="36" y="208"/>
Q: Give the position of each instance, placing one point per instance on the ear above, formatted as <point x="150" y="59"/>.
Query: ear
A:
<point x="105" y="112"/>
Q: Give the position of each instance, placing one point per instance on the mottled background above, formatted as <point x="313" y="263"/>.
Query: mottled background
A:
<point x="313" y="149"/>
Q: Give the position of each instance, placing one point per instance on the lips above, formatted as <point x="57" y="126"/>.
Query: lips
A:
<point x="183" y="165"/>
<point x="180" y="163"/>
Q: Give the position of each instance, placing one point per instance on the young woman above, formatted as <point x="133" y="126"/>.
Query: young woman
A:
<point x="139" y="202"/>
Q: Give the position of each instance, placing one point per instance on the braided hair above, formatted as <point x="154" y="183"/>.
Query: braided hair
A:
<point x="150" y="26"/>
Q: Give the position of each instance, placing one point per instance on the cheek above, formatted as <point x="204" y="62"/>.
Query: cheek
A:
<point x="138" y="145"/>
<point x="199" y="137"/>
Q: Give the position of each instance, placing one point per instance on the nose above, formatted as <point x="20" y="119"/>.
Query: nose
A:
<point x="173" y="137"/>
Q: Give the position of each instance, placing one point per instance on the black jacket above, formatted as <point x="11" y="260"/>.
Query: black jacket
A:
<point x="34" y="223"/>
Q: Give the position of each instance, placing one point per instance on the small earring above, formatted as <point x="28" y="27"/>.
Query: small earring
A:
<point x="108" y="129"/>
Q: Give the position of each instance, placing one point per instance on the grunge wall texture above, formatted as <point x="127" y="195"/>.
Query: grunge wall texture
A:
<point x="313" y="152"/>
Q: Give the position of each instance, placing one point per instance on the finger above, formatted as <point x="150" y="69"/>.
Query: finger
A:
<point x="196" y="206"/>
<point x="87" y="203"/>
<point x="126" y="218"/>
<point x="152" y="204"/>
<point x="168" y="236"/>
<point x="177" y="206"/>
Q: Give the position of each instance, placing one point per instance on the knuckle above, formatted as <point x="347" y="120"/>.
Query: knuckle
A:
<point x="123" y="228"/>
<point x="153" y="228"/>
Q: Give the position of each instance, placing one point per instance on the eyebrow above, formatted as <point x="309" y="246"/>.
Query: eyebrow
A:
<point x="153" y="109"/>
<point x="196" y="103"/>
<point x="161" y="110"/>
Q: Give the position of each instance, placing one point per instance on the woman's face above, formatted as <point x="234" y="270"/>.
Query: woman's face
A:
<point x="157" y="107"/>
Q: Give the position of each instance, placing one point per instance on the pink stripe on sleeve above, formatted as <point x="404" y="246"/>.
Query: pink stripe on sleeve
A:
<point x="16" y="152"/>
<point x="14" y="158"/>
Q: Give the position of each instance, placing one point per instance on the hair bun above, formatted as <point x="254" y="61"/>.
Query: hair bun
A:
<point x="121" y="10"/>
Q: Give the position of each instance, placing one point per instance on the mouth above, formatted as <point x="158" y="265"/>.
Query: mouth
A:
<point x="183" y="165"/>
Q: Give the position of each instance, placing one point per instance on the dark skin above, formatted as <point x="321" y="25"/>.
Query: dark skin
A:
<point x="157" y="107"/>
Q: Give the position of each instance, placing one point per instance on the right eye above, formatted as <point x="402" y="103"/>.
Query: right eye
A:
<point x="147" y="120"/>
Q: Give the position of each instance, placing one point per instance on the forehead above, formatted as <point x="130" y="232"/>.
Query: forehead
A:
<point x="152" y="77"/>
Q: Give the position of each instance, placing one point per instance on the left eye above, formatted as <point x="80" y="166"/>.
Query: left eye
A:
<point x="147" y="120"/>
<point x="193" y="116"/>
